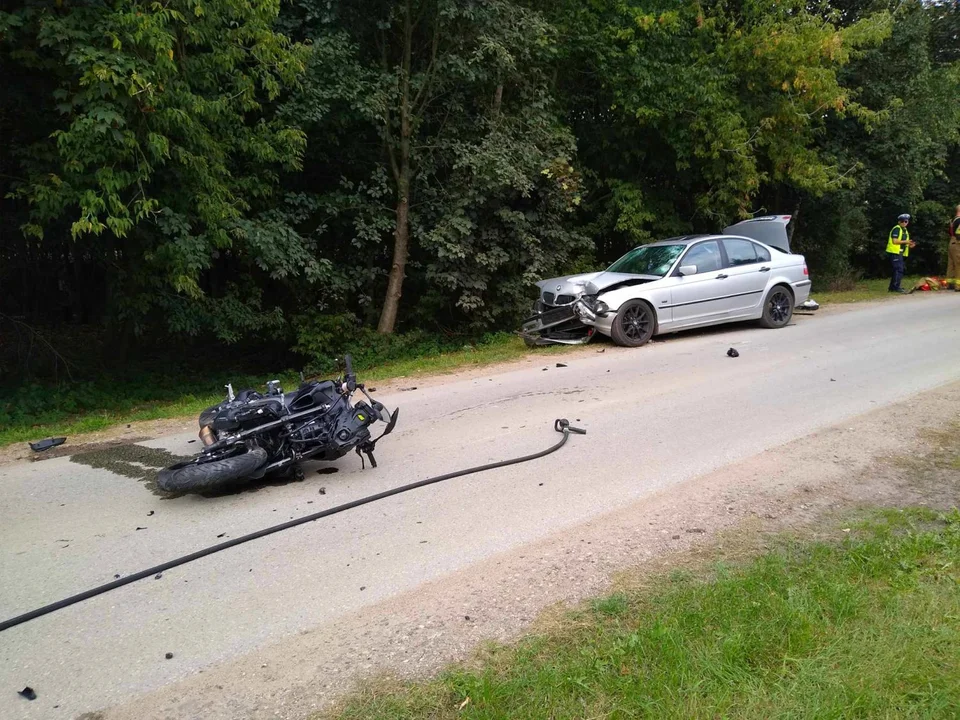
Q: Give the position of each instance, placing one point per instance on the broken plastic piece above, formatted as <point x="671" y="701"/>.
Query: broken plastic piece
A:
<point x="42" y="445"/>
<point x="28" y="693"/>
<point x="732" y="353"/>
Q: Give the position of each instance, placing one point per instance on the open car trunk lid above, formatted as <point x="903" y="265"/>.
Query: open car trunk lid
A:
<point x="770" y="230"/>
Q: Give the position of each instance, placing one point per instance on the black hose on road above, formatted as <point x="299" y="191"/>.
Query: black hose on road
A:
<point x="561" y="426"/>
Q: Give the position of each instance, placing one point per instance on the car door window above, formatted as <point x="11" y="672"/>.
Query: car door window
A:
<point x="763" y="255"/>
<point x="740" y="252"/>
<point x="705" y="255"/>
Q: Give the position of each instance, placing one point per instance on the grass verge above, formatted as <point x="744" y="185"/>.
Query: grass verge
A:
<point x="863" y="291"/>
<point x="864" y="627"/>
<point x="135" y="402"/>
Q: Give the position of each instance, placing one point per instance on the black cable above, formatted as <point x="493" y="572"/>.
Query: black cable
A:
<point x="561" y="426"/>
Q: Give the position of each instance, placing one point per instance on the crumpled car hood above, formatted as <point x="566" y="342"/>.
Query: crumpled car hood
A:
<point x="592" y="283"/>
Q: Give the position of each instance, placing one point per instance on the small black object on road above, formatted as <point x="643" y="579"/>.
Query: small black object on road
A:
<point x="42" y="445"/>
<point x="732" y="353"/>
<point x="28" y="693"/>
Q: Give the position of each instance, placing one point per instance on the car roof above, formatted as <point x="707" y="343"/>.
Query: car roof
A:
<point x="691" y="239"/>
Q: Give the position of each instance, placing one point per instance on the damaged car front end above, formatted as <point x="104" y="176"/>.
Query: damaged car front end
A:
<point x="566" y="311"/>
<point x="558" y="313"/>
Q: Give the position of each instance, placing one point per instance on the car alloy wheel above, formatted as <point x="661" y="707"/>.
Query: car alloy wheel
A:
<point x="636" y="322"/>
<point x="779" y="307"/>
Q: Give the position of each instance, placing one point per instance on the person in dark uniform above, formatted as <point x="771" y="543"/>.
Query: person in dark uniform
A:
<point x="898" y="247"/>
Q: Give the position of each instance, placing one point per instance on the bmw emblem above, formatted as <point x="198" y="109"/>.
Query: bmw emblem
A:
<point x="559" y="287"/>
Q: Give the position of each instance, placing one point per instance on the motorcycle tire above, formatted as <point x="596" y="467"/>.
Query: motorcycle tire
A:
<point x="210" y="476"/>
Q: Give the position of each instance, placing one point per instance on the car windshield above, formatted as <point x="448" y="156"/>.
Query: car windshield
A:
<point x="648" y="260"/>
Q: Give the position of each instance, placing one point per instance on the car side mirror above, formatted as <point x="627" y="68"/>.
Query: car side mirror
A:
<point x="687" y="270"/>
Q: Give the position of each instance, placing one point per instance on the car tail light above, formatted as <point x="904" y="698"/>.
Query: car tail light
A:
<point x="805" y="271"/>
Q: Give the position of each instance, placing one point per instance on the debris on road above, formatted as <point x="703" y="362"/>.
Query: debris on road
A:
<point x="151" y="513"/>
<point x="323" y="491"/>
<point x="561" y="365"/>
<point x="409" y="389"/>
<point x="28" y="693"/>
<point x="140" y="528"/>
<point x="327" y="470"/>
<point x="221" y="535"/>
<point x="696" y="530"/>
<point x="42" y="445"/>
<point x="169" y="656"/>
<point x="732" y="353"/>
<point x="158" y="576"/>
<point x="602" y="350"/>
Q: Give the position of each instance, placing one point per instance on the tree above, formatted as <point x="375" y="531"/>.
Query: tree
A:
<point x="161" y="150"/>
<point x="468" y="142"/>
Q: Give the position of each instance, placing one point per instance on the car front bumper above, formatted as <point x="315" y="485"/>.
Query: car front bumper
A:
<point x="557" y="325"/>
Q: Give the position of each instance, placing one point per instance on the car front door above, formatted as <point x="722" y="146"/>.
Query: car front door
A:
<point x="699" y="298"/>
<point x="748" y="268"/>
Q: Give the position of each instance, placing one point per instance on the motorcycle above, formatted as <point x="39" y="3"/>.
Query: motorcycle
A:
<point x="250" y="435"/>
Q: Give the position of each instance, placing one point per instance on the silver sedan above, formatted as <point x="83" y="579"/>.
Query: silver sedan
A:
<point x="746" y="273"/>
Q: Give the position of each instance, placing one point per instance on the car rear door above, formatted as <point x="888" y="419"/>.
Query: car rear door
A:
<point x="698" y="299"/>
<point x="748" y="267"/>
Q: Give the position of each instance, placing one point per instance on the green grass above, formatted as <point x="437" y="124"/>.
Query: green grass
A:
<point x="151" y="398"/>
<point x="864" y="627"/>
<point x="863" y="291"/>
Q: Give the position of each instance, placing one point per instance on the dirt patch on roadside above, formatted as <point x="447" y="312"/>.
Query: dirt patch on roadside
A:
<point x="723" y="515"/>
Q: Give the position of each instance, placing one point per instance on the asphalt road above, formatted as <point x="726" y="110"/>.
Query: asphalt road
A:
<point x="656" y="416"/>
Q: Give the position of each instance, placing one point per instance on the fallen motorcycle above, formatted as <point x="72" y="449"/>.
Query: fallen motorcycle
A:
<point x="250" y="435"/>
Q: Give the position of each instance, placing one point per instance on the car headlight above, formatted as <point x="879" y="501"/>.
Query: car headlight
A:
<point x="595" y="304"/>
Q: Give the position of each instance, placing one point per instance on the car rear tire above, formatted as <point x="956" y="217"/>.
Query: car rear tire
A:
<point x="634" y="324"/>
<point x="777" y="308"/>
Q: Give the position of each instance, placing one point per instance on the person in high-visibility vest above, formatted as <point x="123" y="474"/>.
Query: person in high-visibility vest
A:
<point x="953" y="253"/>
<point x="898" y="247"/>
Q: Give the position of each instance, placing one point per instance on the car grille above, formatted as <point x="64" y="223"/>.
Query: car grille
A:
<point x="550" y="299"/>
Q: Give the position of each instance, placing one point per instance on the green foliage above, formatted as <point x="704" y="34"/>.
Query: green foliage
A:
<point x="161" y="142"/>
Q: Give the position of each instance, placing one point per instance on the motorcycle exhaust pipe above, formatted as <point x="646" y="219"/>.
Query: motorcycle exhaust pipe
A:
<point x="207" y="435"/>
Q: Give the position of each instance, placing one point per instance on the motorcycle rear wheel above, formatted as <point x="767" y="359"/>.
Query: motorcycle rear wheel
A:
<point x="210" y="476"/>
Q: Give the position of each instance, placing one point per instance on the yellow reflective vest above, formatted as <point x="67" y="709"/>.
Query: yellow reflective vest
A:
<point x="898" y="233"/>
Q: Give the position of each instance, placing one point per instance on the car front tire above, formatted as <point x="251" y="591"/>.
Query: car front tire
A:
<point x="634" y="324"/>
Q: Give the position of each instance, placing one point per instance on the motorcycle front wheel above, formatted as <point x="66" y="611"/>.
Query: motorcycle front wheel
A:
<point x="210" y="474"/>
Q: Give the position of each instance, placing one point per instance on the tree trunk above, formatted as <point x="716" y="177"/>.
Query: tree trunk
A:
<point x="402" y="174"/>
<point x="401" y="247"/>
